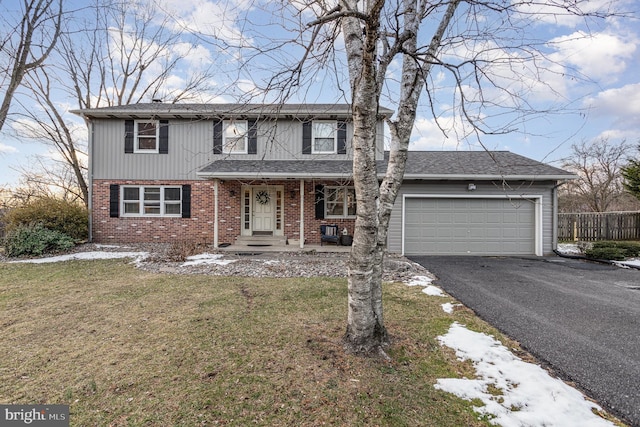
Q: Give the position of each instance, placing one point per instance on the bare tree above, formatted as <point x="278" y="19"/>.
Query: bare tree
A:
<point x="496" y="64"/>
<point x="119" y="53"/>
<point x="26" y="44"/>
<point x="598" y="165"/>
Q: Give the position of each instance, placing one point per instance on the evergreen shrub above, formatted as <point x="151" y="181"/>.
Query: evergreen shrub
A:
<point x="616" y="251"/>
<point x="35" y="239"/>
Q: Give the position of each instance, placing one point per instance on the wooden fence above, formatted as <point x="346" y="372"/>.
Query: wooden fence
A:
<point x="594" y="226"/>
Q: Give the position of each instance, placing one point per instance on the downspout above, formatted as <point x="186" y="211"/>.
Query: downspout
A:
<point x="554" y="219"/>
<point x="215" y="213"/>
<point x="302" y="214"/>
<point x="90" y="183"/>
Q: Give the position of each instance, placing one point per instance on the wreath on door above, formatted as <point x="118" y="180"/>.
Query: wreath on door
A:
<point x="263" y="197"/>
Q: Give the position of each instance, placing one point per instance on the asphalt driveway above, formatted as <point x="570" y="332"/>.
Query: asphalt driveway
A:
<point x="581" y="318"/>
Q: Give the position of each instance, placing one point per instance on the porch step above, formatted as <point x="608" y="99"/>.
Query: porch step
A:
<point x="261" y="241"/>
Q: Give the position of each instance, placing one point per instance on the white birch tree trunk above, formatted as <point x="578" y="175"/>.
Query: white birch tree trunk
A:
<point x="366" y="333"/>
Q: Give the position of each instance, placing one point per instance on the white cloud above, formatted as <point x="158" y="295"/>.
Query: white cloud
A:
<point x="218" y="19"/>
<point x="623" y="103"/>
<point x="599" y="56"/>
<point x="7" y="149"/>
<point x="428" y="134"/>
<point x="509" y="75"/>
<point x="194" y="55"/>
<point x="562" y="13"/>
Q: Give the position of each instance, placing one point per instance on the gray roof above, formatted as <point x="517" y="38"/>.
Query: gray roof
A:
<point x="426" y="165"/>
<point x="200" y="111"/>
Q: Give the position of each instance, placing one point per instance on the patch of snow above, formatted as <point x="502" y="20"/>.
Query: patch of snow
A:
<point x="433" y="291"/>
<point x="569" y="249"/>
<point x="101" y="246"/>
<point x="272" y="262"/>
<point x="419" y="281"/>
<point x="207" y="258"/>
<point x="627" y="263"/>
<point x="530" y="397"/>
<point x="448" y="307"/>
<point x="138" y="256"/>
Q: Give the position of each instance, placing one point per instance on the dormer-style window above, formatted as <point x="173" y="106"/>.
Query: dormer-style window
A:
<point x="146" y="136"/>
<point x="324" y="137"/>
<point x="235" y="136"/>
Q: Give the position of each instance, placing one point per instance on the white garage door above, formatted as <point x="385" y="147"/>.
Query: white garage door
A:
<point x="441" y="226"/>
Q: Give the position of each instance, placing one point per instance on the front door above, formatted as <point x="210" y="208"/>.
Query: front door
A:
<point x="263" y="210"/>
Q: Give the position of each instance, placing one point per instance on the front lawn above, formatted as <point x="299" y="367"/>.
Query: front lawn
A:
<point x="127" y="347"/>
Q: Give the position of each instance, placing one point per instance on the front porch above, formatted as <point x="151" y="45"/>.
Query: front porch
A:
<point x="279" y="215"/>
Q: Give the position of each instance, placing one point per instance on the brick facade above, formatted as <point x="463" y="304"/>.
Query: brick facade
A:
<point x="200" y="227"/>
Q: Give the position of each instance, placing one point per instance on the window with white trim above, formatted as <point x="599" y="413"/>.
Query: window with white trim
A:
<point x="324" y="137"/>
<point x="146" y="136"/>
<point x="340" y="202"/>
<point x="151" y="201"/>
<point x="235" y="136"/>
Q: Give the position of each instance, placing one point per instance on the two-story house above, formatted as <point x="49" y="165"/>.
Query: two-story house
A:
<point x="268" y="174"/>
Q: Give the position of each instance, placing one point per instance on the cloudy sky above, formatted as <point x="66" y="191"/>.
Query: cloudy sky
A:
<point x="586" y="86"/>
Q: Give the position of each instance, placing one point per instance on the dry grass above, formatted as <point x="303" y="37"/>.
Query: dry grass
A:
<point x="129" y="348"/>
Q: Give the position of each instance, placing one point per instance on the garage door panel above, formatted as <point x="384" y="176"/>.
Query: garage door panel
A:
<point x="469" y="226"/>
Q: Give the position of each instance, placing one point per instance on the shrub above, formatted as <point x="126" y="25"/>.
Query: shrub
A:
<point x="615" y="254"/>
<point x="54" y="214"/>
<point x="35" y="239"/>
<point x="632" y="249"/>
<point x="613" y="250"/>
<point x="180" y="250"/>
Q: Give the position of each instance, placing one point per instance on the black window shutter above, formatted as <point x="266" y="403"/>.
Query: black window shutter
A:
<point x="253" y="137"/>
<point x="342" y="138"/>
<point x="217" y="137"/>
<point x="306" y="138"/>
<point x="319" y="201"/>
<point x="114" y="201"/>
<point x="128" y="136"/>
<point x="186" y="201"/>
<point x="163" y="143"/>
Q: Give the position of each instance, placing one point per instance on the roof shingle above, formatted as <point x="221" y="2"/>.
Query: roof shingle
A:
<point x="420" y="165"/>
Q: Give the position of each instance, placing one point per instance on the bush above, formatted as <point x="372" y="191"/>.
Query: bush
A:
<point x="616" y="251"/>
<point x="179" y="251"/>
<point x="54" y="214"/>
<point x="35" y="239"/>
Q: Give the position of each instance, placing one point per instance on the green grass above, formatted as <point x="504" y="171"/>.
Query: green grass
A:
<point x="124" y="347"/>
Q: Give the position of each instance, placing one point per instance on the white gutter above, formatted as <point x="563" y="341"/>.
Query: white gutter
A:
<point x="424" y="177"/>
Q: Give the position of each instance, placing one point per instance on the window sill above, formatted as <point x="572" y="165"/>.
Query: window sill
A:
<point x="150" y="216"/>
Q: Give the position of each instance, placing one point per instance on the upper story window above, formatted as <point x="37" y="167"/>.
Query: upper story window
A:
<point x="151" y="201"/>
<point x="324" y="137"/>
<point x="235" y="136"/>
<point x="146" y="136"/>
<point x="340" y="202"/>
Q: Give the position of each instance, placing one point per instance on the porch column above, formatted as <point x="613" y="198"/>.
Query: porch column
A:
<point x="215" y="213"/>
<point x="301" y="213"/>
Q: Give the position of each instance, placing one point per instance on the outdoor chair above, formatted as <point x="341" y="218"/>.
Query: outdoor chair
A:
<point x="329" y="233"/>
